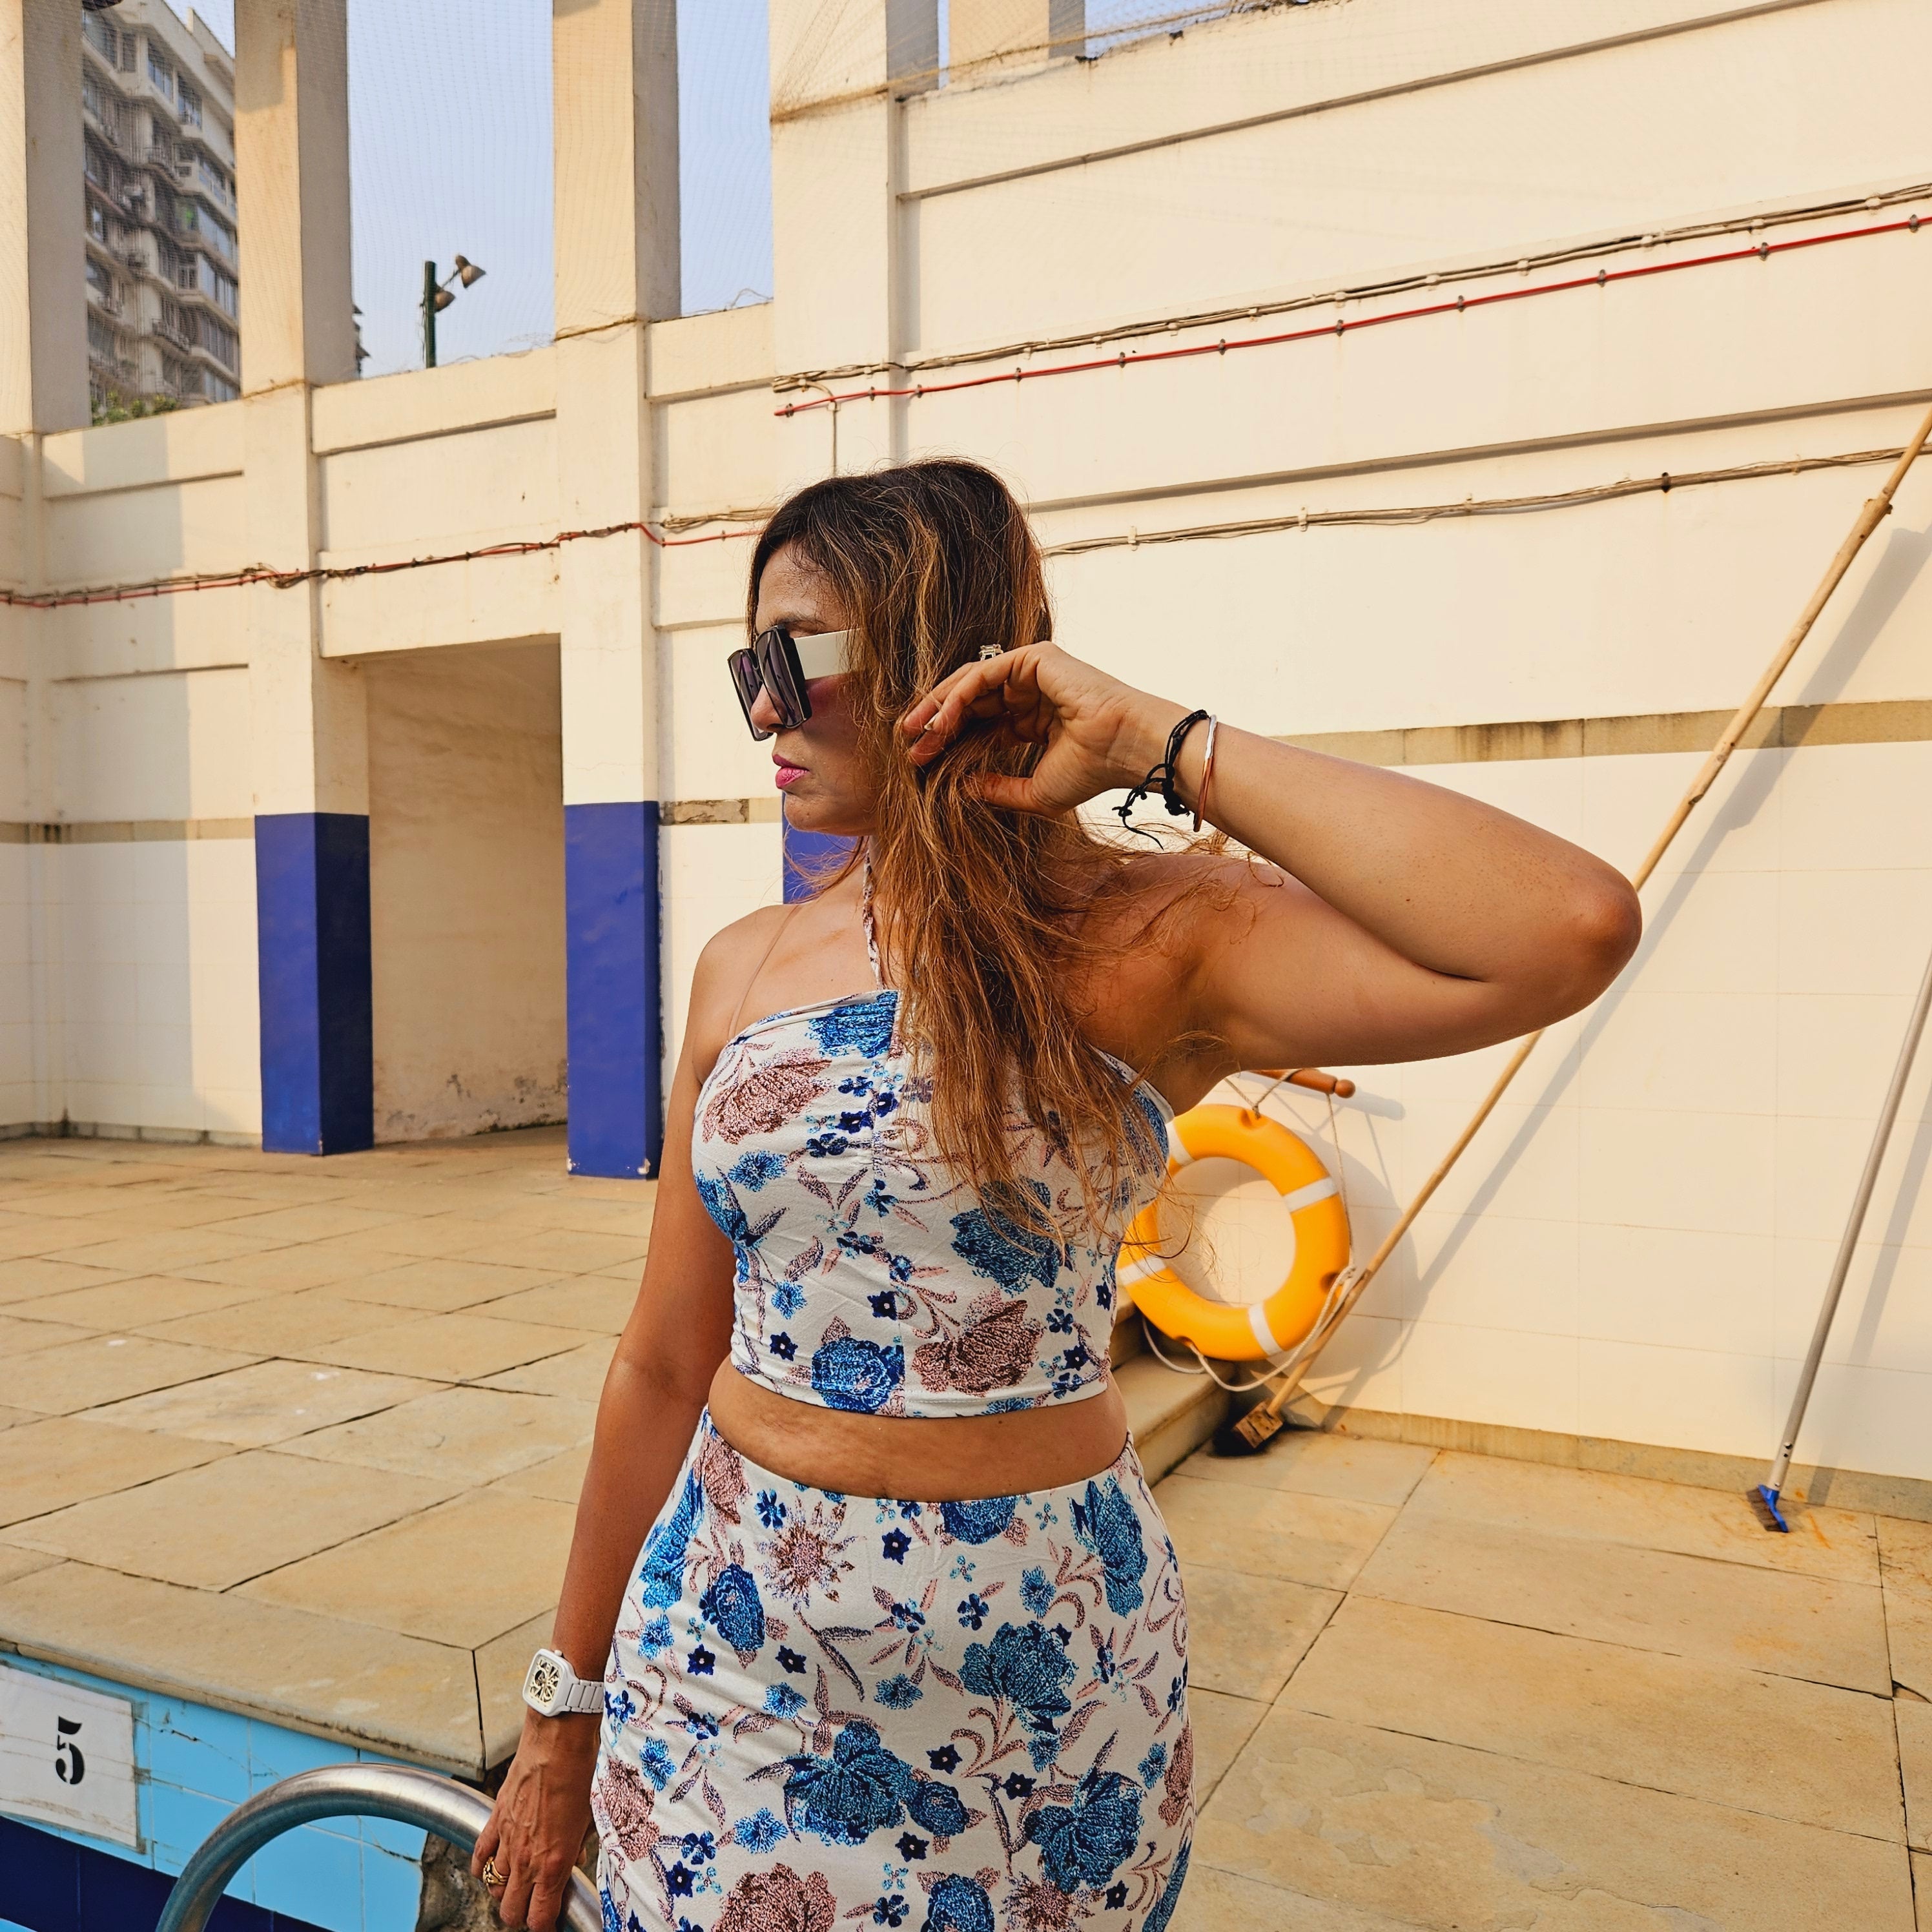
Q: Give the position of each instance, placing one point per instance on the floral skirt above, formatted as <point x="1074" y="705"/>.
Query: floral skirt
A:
<point x="957" y="1716"/>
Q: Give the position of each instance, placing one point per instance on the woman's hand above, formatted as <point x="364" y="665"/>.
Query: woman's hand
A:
<point x="537" y="1827"/>
<point x="1100" y="735"/>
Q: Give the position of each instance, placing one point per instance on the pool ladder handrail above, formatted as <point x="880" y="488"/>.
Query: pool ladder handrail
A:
<point x="452" y="1811"/>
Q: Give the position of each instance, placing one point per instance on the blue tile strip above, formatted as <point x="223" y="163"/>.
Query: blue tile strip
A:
<point x="615" y="1026"/>
<point x="192" y="1765"/>
<point x="312" y="920"/>
<point x="809" y="856"/>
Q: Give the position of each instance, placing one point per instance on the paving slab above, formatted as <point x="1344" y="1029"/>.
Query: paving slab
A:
<point x="1221" y="1725"/>
<point x="1732" y="1613"/>
<point x="1246" y="1634"/>
<point x="30" y="1279"/>
<point x="1441" y="1835"/>
<point x="1216" y="1901"/>
<point x="346" y="1681"/>
<point x="586" y="1301"/>
<point x="560" y="1479"/>
<point x="267" y="1401"/>
<point x="1807" y="1752"/>
<point x="1322" y="1541"/>
<point x="9" y="1418"/>
<point x="502" y="1665"/>
<point x="55" y="1460"/>
<point x="440" y="1286"/>
<point x="449" y="1347"/>
<point x="26" y="1236"/>
<point x="578" y="1373"/>
<point x="282" y="1324"/>
<point x="1915" y="1765"/>
<point x="214" y="1527"/>
<point x="1921" y="1881"/>
<point x="1907" y="1572"/>
<point x="22" y="1335"/>
<point x="313" y="1221"/>
<point x="481" y="1434"/>
<point x="460" y="1574"/>
<point x="562" y="1250"/>
<point x="166" y="1253"/>
<point x="15" y="1562"/>
<point x="139" y="1302"/>
<point x="1838" y="1543"/>
<point x="289" y="1270"/>
<point x="103" y="1368"/>
<point x="436" y="1237"/>
<point x="1308" y="1462"/>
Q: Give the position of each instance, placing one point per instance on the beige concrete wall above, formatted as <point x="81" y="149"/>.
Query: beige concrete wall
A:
<point x="465" y="889"/>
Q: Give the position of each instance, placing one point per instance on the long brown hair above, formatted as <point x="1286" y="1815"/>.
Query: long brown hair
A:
<point x="979" y="910"/>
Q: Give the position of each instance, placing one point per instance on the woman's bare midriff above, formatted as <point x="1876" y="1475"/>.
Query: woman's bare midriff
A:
<point x="918" y="1459"/>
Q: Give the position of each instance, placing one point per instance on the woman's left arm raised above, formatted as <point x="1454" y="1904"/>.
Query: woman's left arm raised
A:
<point x="1394" y="920"/>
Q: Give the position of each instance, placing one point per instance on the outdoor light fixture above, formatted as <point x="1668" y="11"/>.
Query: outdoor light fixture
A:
<point x="437" y="296"/>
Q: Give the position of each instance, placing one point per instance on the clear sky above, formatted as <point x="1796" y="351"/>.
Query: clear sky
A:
<point x="449" y="118"/>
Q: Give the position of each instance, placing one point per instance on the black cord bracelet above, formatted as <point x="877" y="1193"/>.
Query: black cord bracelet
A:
<point x="1164" y="776"/>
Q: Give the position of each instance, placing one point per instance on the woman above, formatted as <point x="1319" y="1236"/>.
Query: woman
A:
<point x="905" y="1644"/>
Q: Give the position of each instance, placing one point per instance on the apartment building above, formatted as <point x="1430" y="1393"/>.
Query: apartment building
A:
<point x="162" y="313"/>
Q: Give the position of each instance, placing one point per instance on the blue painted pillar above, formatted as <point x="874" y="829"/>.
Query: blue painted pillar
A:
<point x="616" y="1027"/>
<point x="810" y="857"/>
<point x="312" y="923"/>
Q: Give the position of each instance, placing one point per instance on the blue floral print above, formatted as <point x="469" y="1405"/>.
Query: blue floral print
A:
<point x="1110" y="1526"/>
<point x="863" y="1027"/>
<point x="1083" y="1843"/>
<point x="959" y="1903"/>
<point x="862" y="1787"/>
<point x="732" y="1607"/>
<point x="814" y="1152"/>
<point x="957" y="1749"/>
<point x="979" y="1521"/>
<point x="849" y="1373"/>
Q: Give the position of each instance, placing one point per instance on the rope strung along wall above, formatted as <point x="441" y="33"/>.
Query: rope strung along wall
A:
<point x="1254" y="1428"/>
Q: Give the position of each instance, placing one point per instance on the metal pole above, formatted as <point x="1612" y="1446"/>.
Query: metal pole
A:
<point x="1841" y="1267"/>
<point x="451" y="1810"/>
<point x="429" y="315"/>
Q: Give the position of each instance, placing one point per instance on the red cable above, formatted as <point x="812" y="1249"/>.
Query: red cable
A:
<point x="1760" y="250"/>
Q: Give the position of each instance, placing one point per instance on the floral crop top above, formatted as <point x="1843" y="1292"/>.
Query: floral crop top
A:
<point x="868" y="1277"/>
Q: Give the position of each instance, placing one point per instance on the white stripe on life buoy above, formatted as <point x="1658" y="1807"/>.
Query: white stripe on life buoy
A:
<point x="1257" y="1321"/>
<point x="1176" y="1148"/>
<point x="1139" y="1270"/>
<point x="1306" y="1197"/>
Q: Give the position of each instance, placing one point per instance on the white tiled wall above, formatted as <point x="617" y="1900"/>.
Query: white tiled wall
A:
<point x="158" y="1020"/>
<point x="147" y="944"/>
<point x="1636" y="1244"/>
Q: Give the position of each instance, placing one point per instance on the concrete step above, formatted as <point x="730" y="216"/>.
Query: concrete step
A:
<point x="1171" y="1414"/>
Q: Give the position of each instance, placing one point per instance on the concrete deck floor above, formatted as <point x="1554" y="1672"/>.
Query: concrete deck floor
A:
<point x="302" y="1438"/>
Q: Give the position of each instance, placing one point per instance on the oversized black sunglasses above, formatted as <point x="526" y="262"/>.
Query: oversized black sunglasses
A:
<point x="781" y="665"/>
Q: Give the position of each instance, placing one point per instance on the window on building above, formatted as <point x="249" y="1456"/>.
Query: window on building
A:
<point x="98" y="169"/>
<point x="225" y="292"/>
<point x="127" y="52"/>
<point x="218" y="388"/>
<point x="190" y="105"/>
<point x="219" y="233"/>
<point x="187" y="217"/>
<point x="215" y="175"/>
<point x="217" y="338"/>
<point x="159" y="72"/>
<point x="102" y="341"/>
<point x="96" y="221"/>
<point x="99" y="280"/>
<point x="100" y="36"/>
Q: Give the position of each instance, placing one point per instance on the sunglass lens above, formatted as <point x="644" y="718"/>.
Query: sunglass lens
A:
<point x="747" y="682"/>
<point x="775" y="663"/>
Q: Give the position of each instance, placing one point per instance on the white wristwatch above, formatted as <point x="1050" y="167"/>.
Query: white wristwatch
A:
<point x="554" y="1689"/>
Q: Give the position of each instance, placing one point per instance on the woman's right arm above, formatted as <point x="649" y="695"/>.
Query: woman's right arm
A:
<point x="678" y="1333"/>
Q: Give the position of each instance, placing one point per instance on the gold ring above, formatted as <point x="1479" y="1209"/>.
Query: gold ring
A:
<point x="492" y="1877"/>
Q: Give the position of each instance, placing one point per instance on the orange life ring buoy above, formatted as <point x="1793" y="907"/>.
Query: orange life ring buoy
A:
<point x="1267" y="1329"/>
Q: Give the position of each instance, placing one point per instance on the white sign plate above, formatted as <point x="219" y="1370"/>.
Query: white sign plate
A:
<point x="67" y="1756"/>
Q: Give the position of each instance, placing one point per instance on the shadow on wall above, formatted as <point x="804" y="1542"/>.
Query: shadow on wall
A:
<point x="465" y="889"/>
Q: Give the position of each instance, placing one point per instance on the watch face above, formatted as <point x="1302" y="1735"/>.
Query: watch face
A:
<point x="545" y="1681"/>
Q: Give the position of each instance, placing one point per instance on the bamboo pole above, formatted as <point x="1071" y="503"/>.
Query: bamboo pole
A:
<point x="1259" y="1423"/>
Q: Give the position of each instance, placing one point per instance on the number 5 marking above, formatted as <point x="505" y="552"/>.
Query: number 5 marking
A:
<point x="70" y="1766"/>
